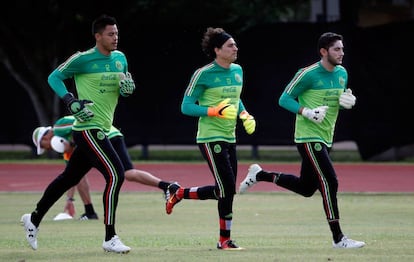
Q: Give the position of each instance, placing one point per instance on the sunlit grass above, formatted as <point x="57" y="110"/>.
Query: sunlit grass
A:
<point x="271" y="226"/>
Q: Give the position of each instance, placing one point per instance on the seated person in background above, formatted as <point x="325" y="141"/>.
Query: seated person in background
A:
<point x="59" y="139"/>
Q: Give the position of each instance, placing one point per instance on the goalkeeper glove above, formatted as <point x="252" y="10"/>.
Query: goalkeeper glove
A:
<point x="248" y="122"/>
<point x="78" y="107"/>
<point x="223" y="110"/>
<point x="347" y="99"/>
<point x="315" y="115"/>
<point x="127" y="85"/>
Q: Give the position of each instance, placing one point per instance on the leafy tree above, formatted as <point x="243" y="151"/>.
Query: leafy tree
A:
<point x="38" y="35"/>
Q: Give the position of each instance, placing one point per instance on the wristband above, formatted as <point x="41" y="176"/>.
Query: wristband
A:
<point x="71" y="199"/>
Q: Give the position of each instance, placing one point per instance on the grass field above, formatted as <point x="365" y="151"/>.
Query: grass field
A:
<point x="271" y="226"/>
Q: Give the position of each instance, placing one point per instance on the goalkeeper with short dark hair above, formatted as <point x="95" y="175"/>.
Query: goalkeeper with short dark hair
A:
<point x="101" y="76"/>
<point x="315" y="95"/>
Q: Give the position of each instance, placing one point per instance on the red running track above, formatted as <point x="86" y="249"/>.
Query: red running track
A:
<point x="360" y="177"/>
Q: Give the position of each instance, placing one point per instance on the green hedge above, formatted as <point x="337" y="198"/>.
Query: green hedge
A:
<point x="194" y="155"/>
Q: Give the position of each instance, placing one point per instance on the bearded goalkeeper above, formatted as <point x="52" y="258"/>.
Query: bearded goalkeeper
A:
<point x="315" y="95"/>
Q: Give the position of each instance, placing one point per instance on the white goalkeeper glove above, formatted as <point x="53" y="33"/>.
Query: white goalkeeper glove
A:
<point x="315" y="115"/>
<point x="347" y="99"/>
<point x="126" y="85"/>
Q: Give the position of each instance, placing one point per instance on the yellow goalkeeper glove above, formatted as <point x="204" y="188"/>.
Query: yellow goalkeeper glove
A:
<point x="248" y="122"/>
<point x="223" y="110"/>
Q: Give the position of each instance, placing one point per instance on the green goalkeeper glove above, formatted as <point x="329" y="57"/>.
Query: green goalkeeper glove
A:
<point x="78" y="107"/>
<point x="127" y="85"/>
<point x="223" y="110"/>
<point x="248" y="122"/>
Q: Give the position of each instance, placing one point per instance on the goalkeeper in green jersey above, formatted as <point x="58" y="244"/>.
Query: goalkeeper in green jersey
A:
<point x="101" y="76"/>
<point x="213" y="96"/>
<point x="315" y="95"/>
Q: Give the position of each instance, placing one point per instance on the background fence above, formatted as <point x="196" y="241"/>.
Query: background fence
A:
<point x="162" y="60"/>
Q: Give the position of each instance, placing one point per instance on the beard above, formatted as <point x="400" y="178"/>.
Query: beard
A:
<point x="334" y="61"/>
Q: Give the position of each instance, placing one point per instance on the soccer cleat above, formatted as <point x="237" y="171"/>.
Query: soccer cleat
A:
<point x="348" y="243"/>
<point x="228" y="245"/>
<point x="171" y="189"/>
<point x="31" y="230"/>
<point x="115" y="245"/>
<point x="250" y="179"/>
<point x="88" y="216"/>
<point x="171" y="202"/>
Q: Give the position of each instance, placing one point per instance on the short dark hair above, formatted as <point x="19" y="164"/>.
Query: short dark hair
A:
<point x="99" y="24"/>
<point x="327" y="40"/>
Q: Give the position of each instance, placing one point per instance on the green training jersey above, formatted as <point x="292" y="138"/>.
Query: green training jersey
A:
<point x="209" y="85"/>
<point x="113" y="132"/>
<point x="63" y="127"/>
<point x="97" y="79"/>
<point x="311" y="87"/>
